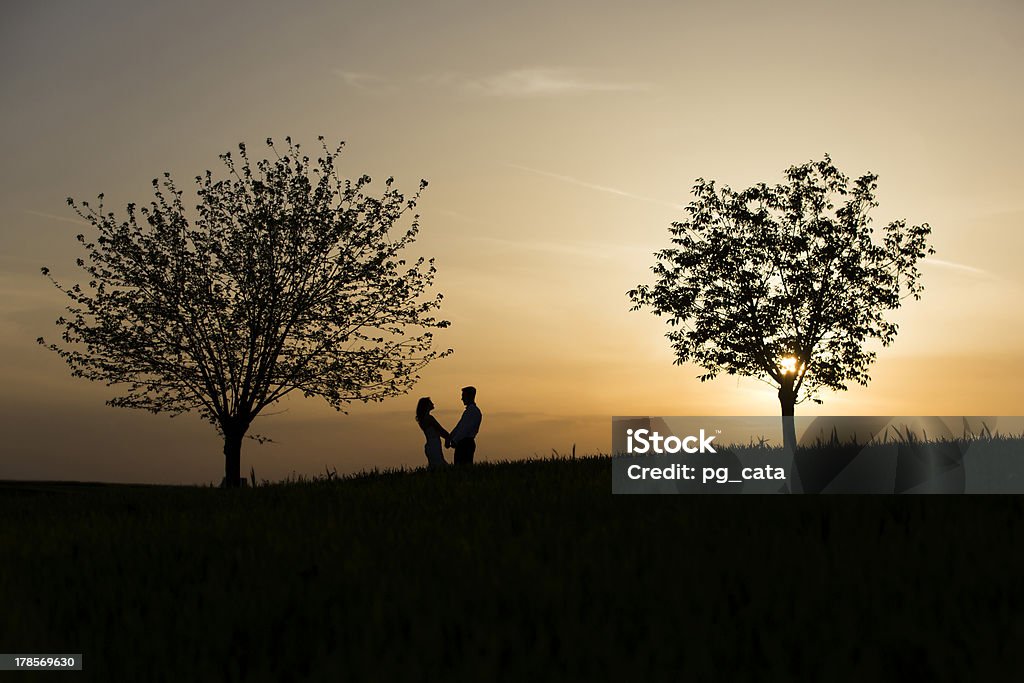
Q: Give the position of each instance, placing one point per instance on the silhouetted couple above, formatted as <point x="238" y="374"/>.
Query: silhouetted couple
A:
<point x="462" y="438"/>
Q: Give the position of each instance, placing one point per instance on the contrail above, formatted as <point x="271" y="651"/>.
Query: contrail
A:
<point x="592" y="186"/>
<point x="958" y="266"/>
<point x="55" y="217"/>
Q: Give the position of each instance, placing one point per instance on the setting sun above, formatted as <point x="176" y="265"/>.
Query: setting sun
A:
<point x="788" y="365"/>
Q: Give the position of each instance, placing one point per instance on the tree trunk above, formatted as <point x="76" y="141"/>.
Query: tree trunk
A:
<point x="234" y="432"/>
<point x="787" y="399"/>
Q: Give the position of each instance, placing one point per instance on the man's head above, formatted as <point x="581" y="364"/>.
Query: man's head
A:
<point x="468" y="395"/>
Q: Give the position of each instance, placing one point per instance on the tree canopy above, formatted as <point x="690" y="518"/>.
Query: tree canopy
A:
<point x="287" y="278"/>
<point x="785" y="283"/>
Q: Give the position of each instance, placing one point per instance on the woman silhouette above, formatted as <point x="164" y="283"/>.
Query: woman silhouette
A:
<point x="434" y="432"/>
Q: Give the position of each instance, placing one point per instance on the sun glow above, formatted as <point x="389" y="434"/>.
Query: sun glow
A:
<point x="788" y="365"/>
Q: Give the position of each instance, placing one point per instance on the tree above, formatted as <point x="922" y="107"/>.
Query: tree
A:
<point x="785" y="283"/>
<point x="287" y="279"/>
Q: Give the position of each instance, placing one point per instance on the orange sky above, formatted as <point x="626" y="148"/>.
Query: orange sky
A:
<point x="560" y="141"/>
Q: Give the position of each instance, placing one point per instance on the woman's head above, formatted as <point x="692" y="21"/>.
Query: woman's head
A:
<point x="423" y="408"/>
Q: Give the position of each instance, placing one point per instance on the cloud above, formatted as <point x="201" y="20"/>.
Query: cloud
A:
<point x="362" y="80"/>
<point x="540" y="82"/>
<point x="513" y="83"/>
<point x="592" y="186"/>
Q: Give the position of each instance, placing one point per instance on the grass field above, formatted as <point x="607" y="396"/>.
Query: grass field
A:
<point x="518" y="571"/>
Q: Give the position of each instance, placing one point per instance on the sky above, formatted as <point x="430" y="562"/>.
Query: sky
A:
<point x="560" y="141"/>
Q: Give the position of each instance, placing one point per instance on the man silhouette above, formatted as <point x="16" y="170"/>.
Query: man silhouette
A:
<point x="464" y="435"/>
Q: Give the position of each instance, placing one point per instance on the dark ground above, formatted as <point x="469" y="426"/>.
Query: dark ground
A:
<point x="522" y="571"/>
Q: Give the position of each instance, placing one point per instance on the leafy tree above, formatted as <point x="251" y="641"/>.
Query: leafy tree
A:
<point x="785" y="283"/>
<point x="287" y="279"/>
